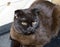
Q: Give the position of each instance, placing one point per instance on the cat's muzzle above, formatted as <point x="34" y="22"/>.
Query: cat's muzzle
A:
<point x="29" y="31"/>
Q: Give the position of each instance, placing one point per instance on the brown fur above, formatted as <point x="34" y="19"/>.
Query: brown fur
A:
<point x="49" y="26"/>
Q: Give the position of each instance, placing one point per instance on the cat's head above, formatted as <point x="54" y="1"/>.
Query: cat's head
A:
<point x="26" y="21"/>
<point x="29" y="21"/>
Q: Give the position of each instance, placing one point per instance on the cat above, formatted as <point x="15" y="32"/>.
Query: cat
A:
<point x="35" y="26"/>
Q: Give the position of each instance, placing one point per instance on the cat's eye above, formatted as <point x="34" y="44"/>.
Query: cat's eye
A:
<point x="23" y="23"/>
<point x="34" y="23"/>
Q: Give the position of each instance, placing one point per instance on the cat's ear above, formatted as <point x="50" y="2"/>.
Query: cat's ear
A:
<point x="18" y="13"/>
<point x="35" y="11"/>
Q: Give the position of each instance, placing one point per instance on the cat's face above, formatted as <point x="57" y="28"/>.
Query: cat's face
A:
<point x="26" y="21"/>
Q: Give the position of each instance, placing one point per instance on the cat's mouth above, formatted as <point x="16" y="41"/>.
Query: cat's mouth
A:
<point x="29" y="33"/>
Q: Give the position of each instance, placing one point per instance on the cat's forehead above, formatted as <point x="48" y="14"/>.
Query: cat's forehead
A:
<point x="28" y="14"/>
<point x="26" y="10"/>
<point x="25" y="13"/>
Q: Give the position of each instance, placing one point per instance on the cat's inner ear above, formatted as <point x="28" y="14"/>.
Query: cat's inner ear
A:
<point x="18" y="13"/>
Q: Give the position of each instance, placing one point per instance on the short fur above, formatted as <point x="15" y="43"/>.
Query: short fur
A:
<point x="49" y="17"/>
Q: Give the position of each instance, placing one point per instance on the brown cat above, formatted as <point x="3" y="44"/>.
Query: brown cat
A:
<point x="35" y="26"/>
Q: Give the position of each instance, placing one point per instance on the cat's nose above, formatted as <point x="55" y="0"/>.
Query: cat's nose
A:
<point x="29" y="29"/>
<point x="28" y="33"/>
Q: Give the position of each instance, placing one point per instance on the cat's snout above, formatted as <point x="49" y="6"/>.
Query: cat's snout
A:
<point x="29" y="31"/>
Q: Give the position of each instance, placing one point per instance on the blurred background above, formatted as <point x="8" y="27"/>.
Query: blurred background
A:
<point x="7" y="8"/>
